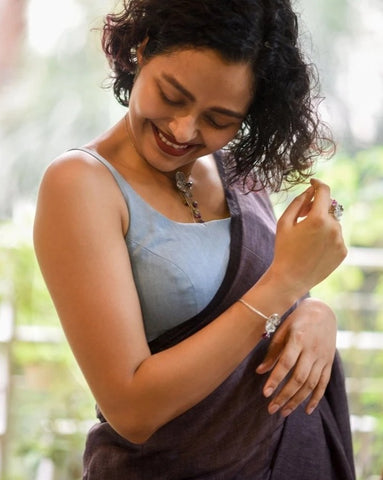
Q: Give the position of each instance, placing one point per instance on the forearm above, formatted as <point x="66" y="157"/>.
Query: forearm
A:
<point x="169" y="383"/>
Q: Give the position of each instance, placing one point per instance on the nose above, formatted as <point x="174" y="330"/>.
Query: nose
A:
<point x="183" y="128"/>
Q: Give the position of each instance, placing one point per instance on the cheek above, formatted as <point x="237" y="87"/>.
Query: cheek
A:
<point x="221" y="138"/>
<point x="145" y="102"/>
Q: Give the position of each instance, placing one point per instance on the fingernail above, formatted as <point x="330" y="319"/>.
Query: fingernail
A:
<point x="273" y="408"/>
<point x="310" y="410"/>
<point x="268" y="392"/>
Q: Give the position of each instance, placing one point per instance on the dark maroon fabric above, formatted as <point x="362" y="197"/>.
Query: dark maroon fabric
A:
<point x="229" y="435"/>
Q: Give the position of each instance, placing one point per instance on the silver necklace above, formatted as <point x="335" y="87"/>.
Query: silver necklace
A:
<point x="184" y="186"/>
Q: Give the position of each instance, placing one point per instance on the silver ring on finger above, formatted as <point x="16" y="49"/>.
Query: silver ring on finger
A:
<point x="336" y="210"/>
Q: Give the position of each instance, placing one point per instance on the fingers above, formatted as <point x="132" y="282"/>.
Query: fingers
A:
<point x="282" y="369"/>
<point x="300" y="355"/>
<point x="316" y="199"/>
<point x="274" y="351"/>
<point x="304" y="381"/>
<point x="299" y="207"/>
<point x="306" y="230"/>
<point x="301" y="384"/>
<point x="322" y="201"/>
<point x="319" y="390"/>
<point x="306" y="372"/>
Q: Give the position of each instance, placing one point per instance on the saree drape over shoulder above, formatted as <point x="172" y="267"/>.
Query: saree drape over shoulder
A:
<point x="230" y="435"/>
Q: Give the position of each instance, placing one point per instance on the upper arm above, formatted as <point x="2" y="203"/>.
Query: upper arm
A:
<point x="80" y="246"/>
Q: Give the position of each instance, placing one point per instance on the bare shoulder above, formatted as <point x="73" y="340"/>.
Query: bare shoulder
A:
<point x="77" y="179"/>
<point x="76" y="168"/>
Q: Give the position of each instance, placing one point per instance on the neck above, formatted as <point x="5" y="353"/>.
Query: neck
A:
<point x="179" y="179"/>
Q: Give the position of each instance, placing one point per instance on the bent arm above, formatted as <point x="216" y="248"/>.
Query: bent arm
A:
<point x="79" y="241"/>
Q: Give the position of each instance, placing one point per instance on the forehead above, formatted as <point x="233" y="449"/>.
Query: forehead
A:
<point x="206" y="75"/>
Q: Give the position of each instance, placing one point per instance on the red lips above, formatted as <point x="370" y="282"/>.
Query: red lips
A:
<point x="168" y="145"/>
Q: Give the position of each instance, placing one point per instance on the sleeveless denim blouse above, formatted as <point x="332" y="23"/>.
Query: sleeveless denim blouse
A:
<point x="177" y="267"/>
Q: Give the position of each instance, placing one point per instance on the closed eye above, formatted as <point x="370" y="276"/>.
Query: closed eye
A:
<point x="169" y="101"/>
<point x="216" y="124"/>
<point x="209" y="117"/>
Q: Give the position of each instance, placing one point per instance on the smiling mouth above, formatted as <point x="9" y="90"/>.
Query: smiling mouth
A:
<point x="168" y="146"/>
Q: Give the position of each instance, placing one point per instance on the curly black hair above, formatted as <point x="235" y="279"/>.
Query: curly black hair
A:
<point x="282" y="133"/>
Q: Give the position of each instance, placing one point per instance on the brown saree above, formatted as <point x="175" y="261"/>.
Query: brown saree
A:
<point x="230" y="435"/>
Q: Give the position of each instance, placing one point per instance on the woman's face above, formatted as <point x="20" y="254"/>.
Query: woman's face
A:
<point x="187" y="104"/>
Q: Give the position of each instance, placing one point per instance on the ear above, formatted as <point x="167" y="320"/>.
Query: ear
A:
<point x="141" y="50"/>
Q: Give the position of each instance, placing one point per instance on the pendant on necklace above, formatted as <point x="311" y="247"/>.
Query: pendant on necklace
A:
<point x="184" y="187"/>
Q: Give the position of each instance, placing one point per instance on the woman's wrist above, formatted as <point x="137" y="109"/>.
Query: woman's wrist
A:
<point x="273" y="293"/>
<point x="272" y="321"/>
<point x="268" y="300"/>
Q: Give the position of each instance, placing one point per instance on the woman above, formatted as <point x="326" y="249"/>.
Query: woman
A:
<point x="169" y="303"/>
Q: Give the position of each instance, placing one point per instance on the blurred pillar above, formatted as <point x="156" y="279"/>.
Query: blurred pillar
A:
<point x="12" y="27"/>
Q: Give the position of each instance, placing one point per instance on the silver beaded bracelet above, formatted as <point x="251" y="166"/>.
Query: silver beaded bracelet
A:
<point x="272" y="321"/>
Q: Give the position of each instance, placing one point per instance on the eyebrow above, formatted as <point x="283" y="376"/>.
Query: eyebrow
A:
<point x="225" y="111"/>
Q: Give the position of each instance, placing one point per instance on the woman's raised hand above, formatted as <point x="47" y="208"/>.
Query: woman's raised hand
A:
<point x="309" y="243"/>
<point x="308" y="247"/>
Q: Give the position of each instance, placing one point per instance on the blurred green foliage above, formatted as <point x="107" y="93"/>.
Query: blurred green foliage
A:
<point x="50" y="404"/>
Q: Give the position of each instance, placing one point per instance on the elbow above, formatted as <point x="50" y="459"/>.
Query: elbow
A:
<point x="135" y="436"/>
<point x="134" y="430"/>
<point x="133" y="414"/>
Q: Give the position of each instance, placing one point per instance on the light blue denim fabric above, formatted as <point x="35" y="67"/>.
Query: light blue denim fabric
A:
<point x="177" y="267"/>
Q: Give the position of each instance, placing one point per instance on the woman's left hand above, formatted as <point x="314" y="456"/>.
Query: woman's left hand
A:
<point x="302" y="349"/>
